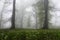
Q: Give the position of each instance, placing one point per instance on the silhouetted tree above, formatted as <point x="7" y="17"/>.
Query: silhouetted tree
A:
<point x="2" y="13"/>
<point x="13" y="16"/>
<point x="45" y="25"/>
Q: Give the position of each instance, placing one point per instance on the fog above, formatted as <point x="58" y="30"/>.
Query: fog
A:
<point x="25" y="9"/>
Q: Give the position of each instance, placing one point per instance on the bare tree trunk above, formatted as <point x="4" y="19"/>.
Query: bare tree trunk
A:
<point x="22" y="17"/>
<point x="29" y="21"/>
<point x="22" y="20"/>
<point x="13" y="16"/>
<point x="45" y="25"/>
<point x="36" y="22"/>
<point x="2" y="14"/>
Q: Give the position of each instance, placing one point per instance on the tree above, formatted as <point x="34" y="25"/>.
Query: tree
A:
<point x="45" y="25"/>
<point x="42" y="11"/>
<point x="39" y="10"/>
<point x="13" y="16"/>
<point x="29" y="20"/>
<point x="2" y="13"/>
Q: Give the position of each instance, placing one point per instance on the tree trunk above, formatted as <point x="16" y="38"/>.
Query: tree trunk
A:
<point x="21" y="21"/>
<point x="2" y="14"/>
<point x="36" y="22"/>
<point x="13" y="16"/>
<point x="45" y="25"/>
<point x="29" y="21"/>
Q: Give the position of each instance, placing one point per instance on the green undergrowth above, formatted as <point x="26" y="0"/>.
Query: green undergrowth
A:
<point x="25" y="34"/>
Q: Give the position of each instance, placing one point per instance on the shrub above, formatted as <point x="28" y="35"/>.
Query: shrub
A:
<point x="30" y="35"/>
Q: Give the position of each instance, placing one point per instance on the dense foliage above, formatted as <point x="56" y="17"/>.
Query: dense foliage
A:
<point x="30" y="35"/>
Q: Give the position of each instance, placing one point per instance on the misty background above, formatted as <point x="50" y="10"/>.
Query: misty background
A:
<point x="27" y="14"/>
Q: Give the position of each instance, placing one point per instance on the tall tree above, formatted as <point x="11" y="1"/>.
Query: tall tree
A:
<point x="22" y="17"/>
<point x="13" y="16"/>
<point x="2" y="13"/>
<point x="39" y="10"/>
<point x="45" y="25"/>
<point x="29" y="20"/>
